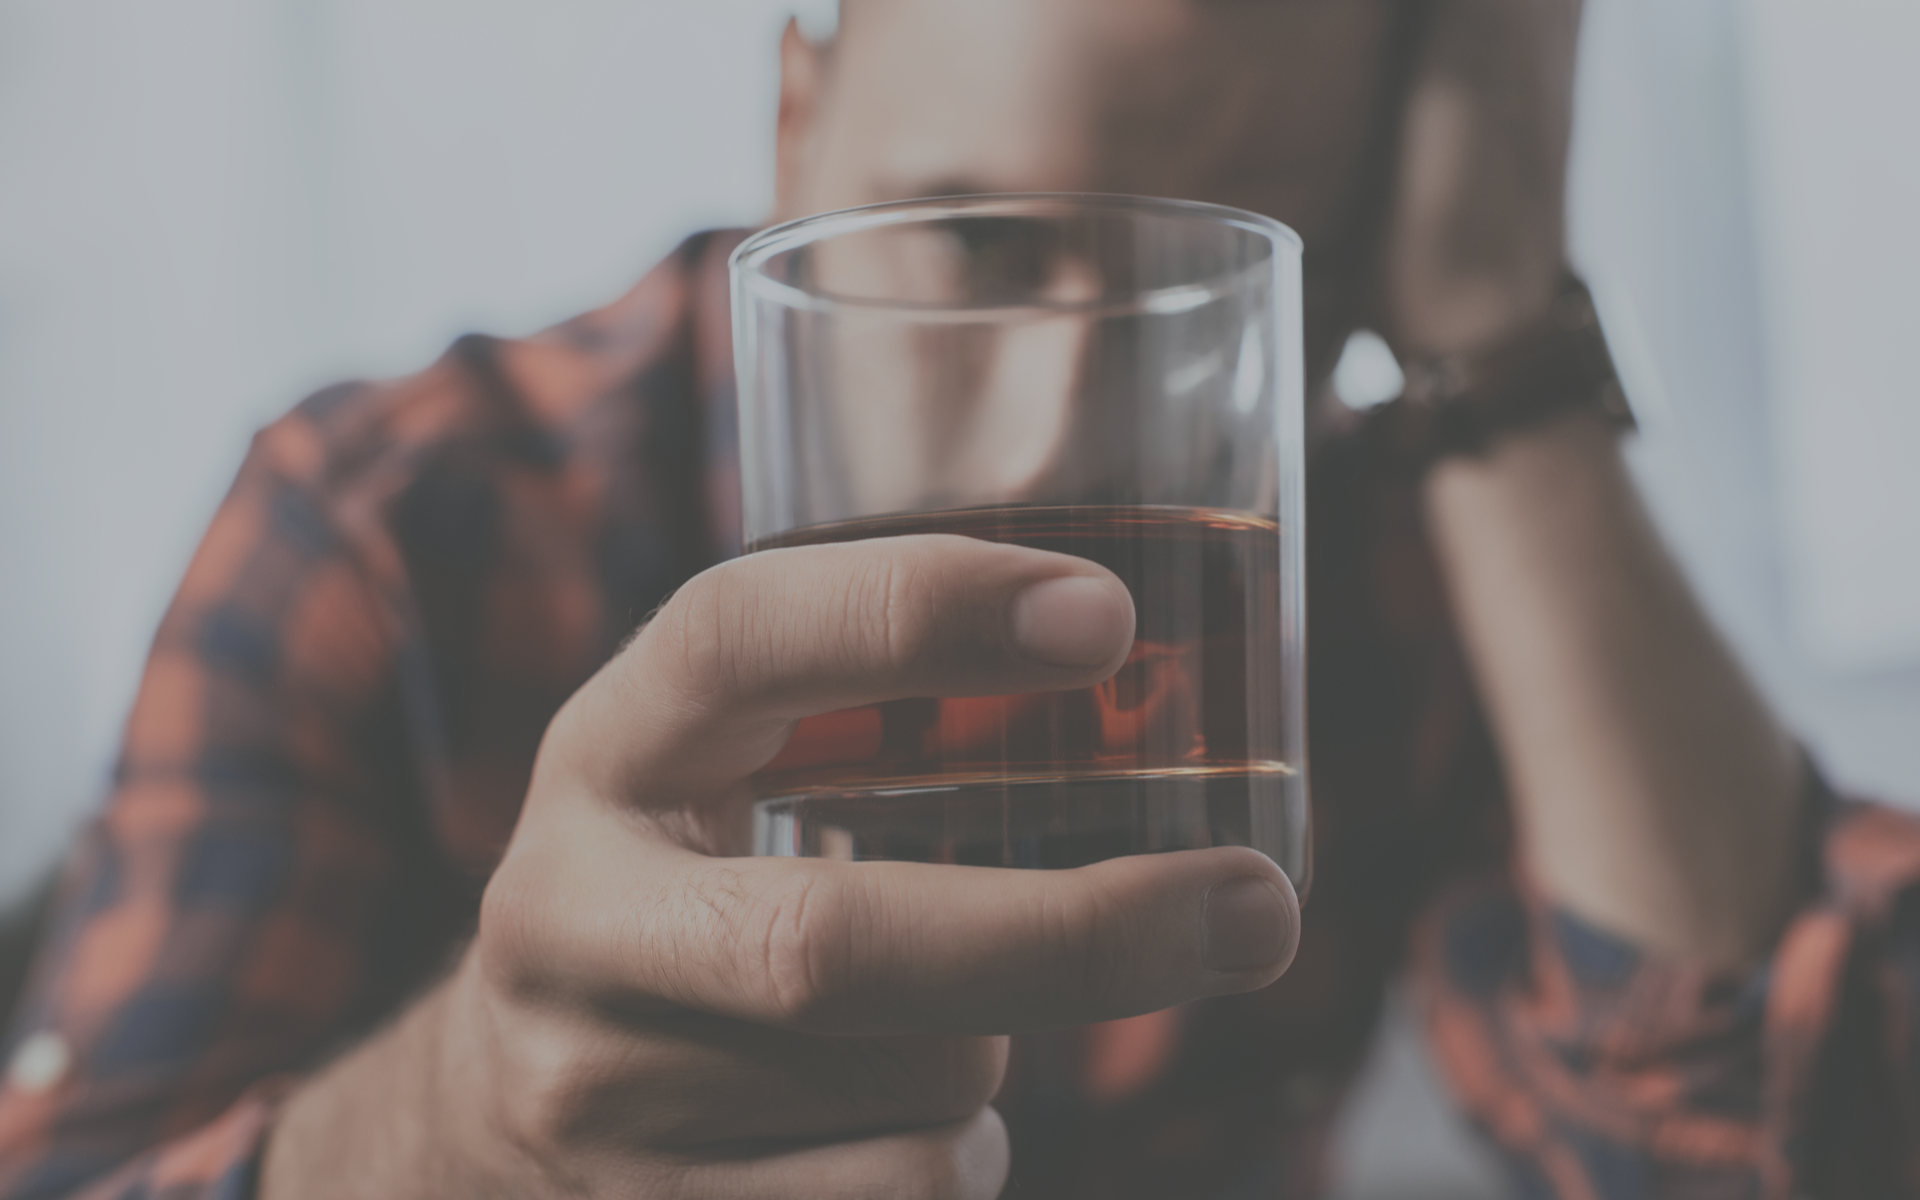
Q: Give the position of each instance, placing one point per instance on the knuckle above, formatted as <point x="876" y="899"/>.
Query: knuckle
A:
<point x="726" y="639"/>
<point x="556" y="1079"/>
<point x="1088" y="931"/>
<point x="535" y="1112"/>
<point x="806" y="952"/>
<point x="508" y="937"/>
<point x="722" y="640"/>
<point x="715" y="923"/>
<point x="697" y="632"/>
<point x="559" y="1088"/>
<point x="890" y="609"/>
<point x="562" y="1094"/>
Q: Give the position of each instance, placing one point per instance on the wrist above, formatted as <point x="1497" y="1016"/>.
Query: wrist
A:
<point x="1553" y="367"/>
<point x="1567" y="458"/>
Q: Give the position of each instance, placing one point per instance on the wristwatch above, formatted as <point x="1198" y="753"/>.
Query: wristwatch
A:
<point x="1463" y="403"/>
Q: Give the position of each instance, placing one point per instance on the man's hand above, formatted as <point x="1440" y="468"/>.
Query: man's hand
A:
<point x="640" y="1017"/>
<point x="1476" y="237"/>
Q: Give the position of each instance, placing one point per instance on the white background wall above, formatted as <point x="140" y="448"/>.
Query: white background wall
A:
<point x="1837" y="172"/>
<point x="210" y="207"/>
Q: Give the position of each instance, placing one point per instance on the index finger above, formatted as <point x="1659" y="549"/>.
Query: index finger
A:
<point x="707" y="693"/>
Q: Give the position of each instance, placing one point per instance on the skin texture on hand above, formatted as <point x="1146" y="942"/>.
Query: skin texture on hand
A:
<point x="640" y="1015"/>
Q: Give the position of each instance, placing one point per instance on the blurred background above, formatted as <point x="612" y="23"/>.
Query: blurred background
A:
<point x="211" y="207"/>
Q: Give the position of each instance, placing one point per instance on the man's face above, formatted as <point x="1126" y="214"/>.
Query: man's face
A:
<point x="1271" y="105"/>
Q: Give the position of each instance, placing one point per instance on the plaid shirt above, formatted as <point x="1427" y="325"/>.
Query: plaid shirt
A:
<point x="337" y="724"/>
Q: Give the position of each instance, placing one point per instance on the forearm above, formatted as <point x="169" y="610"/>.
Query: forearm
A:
<point x="1655" y="794"/>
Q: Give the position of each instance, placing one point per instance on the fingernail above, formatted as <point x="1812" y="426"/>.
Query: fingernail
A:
<point x="1249" y="926"/>
<point x="1071" y="621"/>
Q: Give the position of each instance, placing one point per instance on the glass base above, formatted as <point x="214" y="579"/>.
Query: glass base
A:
<point x="1048" y="822"/>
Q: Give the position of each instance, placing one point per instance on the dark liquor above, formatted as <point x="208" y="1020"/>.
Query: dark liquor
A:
<point x="1182" y="748"/>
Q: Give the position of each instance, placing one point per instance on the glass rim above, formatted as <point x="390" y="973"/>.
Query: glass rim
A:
<point x="748" y="260"/>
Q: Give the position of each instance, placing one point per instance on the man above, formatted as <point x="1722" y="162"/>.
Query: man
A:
<point x="343" y="932"/>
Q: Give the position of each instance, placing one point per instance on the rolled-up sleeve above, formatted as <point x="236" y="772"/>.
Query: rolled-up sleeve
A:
<point x="1600" y="1070"/>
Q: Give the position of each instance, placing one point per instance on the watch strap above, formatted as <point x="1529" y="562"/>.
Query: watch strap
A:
<point x="1460" y="404"/>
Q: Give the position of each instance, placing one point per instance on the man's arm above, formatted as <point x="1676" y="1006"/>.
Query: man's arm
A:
<point x="1691" y="1008"/>
<point x="1654" y="792"/>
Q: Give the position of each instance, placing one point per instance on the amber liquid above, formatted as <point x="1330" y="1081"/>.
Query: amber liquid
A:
<point x="1181" y="749"/>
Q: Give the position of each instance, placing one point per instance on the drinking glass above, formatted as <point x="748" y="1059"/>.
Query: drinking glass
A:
<point x="1112" y="377"/>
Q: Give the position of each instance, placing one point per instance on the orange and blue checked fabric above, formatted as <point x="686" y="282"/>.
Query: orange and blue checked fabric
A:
<point x="338" y="722"/>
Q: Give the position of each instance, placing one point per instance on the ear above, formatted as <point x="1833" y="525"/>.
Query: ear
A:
<point x="803" y="69"/>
